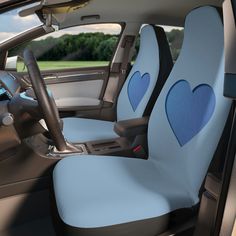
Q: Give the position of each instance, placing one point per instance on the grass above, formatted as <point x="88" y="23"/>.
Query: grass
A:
<point x="54" y="65"/>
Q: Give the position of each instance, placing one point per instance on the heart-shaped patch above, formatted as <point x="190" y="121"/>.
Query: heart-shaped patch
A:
<point x="189" y="111"/>
<point x="137" y="88"/>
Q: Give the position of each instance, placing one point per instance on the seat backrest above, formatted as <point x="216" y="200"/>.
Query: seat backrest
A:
<point x="147" y="76"/>
<point x="190" y="113"/>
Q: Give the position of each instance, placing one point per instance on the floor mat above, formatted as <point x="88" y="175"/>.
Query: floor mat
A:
<point x="42" y="227"/>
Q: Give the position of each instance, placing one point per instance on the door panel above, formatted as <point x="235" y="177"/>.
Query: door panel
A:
<point x="78" y="90"/>
<point x="75" y="63"/>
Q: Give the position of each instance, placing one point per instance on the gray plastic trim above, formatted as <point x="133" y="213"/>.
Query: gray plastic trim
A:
<point x="230" y="86"/>
<point x="230" y="208"/>
<point x="230" y="38"/>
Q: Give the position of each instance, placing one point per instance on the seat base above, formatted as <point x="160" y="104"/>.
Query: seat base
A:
<point x="152" y="227"/>
<point x="149" y="227"/>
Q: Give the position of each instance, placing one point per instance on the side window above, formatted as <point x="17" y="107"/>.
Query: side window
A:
<point x="75" y="47"/>
<point x="136" y="49"/>
<point x="175" y="38"/>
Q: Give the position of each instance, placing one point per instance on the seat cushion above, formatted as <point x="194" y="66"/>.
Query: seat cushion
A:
<point x="94" y="192"/>
<point x="81" y="130"/>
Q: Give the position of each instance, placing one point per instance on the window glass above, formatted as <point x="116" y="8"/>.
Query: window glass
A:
<point x="75" y="47"/>
<point x="175" y="37"/>
<point x="12" y="24"/>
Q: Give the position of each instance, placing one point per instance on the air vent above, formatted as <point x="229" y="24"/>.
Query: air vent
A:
<point x="90" y="17"/>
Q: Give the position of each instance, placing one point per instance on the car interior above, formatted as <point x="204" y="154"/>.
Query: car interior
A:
<point x="141" y="145"/>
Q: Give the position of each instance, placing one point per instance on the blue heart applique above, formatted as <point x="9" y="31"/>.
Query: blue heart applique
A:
<point x="189" y="111"/>
<point x="137" y="88"/>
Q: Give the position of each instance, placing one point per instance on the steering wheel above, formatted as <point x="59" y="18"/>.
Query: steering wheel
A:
<point x="46" y="101"/>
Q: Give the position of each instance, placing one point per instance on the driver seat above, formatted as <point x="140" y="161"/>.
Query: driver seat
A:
<point x="139" y="92"/>
<point x="116" y="196"/>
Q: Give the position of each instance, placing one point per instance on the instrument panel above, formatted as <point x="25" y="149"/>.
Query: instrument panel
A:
<point x="8" y="85"/>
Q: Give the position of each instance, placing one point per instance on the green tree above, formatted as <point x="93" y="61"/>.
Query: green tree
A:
<point x="87" y="47"/>
<point x="175" y="38"/>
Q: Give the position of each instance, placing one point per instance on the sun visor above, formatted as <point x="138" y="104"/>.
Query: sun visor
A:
<point x="30" y="11"/>
<point x="57" y="8"/>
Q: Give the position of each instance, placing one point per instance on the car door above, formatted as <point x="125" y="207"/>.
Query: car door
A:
<point x="75" y="63"/>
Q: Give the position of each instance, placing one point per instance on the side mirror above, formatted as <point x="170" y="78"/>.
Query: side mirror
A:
<point x="11" y="63"/>
<point x="15" y="63"/>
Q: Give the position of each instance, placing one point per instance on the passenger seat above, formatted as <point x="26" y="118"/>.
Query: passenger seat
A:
<point x="139" y="93"/>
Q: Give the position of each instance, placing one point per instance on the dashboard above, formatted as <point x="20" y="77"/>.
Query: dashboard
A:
<point x="9" y="85"/>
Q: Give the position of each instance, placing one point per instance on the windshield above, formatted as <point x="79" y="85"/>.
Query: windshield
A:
<point x="12" y="24"/>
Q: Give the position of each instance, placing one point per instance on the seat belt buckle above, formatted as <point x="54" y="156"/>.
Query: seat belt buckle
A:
<point x="123" y="71"/>
<point x="140" y="152"/>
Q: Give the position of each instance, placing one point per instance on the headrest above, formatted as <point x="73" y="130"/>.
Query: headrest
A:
<point x="203" y="32"/>
<point x="147" y="36"/>
<point x="149" y="33"/>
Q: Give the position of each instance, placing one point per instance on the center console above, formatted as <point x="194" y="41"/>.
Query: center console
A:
<point x="131" y="143"/>
<point x="132" y="134"/>
<point x="119" y="146"/>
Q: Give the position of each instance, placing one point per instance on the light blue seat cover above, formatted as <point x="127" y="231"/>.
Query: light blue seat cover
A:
<point x="184" y="130"/>
<point x="81" y="130"/>
<point x="133" y="97"/>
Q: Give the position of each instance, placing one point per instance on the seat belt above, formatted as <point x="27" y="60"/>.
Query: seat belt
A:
<point x="226" y="176"/>
<point x="210" y="193"/>
<point x="116" y="81"/>
<point x="127" y="44"/>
